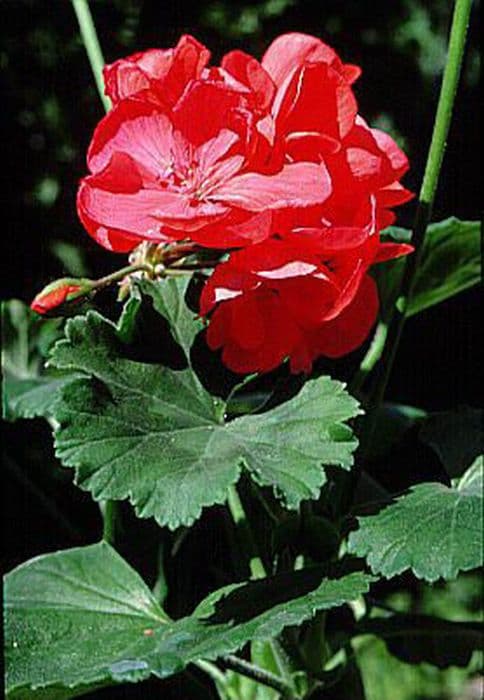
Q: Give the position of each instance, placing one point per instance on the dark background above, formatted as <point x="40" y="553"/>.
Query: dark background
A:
<point x="50" y="112"/>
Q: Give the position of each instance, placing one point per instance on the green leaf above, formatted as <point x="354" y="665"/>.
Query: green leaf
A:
<point x="28" y="388"/>
<point x="157" y="437"/>
<point x="127" y="320"/>
<point x="83" y="618"/>
<point x="286" y="446"/>
<point x="418" y="638"/>
<point x="451" y="263"/>
<point x="168" y="297"/>
<point x="434" y="530"/>
<point x="456" y="436"/>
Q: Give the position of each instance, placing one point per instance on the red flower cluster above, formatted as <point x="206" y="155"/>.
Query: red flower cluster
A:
<point x="270" y="159"/>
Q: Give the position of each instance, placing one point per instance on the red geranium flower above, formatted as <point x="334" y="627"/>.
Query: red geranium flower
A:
<point x="297" y="296"/>
<point x="268" y="156"/>
<point x="199" y="164"/>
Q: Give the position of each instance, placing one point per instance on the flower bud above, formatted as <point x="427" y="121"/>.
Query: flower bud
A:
<point x="60" y="292"/>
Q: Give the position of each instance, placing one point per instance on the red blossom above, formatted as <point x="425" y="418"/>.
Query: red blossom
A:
<point x="164" y="175"/>
<point x="269" y="157"/>
<point x="299" y="296"/>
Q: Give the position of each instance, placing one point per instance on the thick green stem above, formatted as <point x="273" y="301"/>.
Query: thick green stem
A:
<point x="460" y="21"/>
<point x="109" y="512"/>
<point x="91" y="44"/>
<point x="258" y="571"/>
<point x="258" y="674"/>
<point x="236" y="508"/>
<point x="96" y="60"/>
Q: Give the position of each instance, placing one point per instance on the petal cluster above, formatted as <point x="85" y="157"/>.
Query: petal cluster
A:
<point x="268" y="161"/>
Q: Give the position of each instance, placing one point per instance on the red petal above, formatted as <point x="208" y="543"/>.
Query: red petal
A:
<point x="296" y="185"/>
<point x="397" y="158"/>
<point x="163" y="72"/>
<point x="388" y="251"/>
<point x="144" y="212"/>
<point x="363" y="164"/>
<point x="150" y="141"/>
<point x="393" y="194"/>
<point x="236" y="230"/>
<point x="249" y="71"/>
<point x="350" y="329"/>
<point x="204" y="109"/>
<point x="115" y="131"/>
<point x="316" y="99"/>
<point x="289" y="51"/>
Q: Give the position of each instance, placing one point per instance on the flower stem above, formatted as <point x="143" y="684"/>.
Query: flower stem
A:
<point x="96" y="60"/>
<point x="460" y="21"/>
<point x="371" y="357"/>
<point x="121" y="274"/>
<point x="91" y="44"/>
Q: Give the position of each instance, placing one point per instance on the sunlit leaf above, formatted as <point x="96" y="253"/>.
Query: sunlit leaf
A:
<point x="434" y="530"/>
<point x="83" y="618"/>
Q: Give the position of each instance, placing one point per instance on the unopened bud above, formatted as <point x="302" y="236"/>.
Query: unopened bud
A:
<point x="60" y="292"/>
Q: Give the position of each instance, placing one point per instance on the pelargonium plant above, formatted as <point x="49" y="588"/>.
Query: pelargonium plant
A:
<point x="254" y="207"/>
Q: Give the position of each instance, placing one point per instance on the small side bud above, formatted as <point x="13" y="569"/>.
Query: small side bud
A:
<point x="59" y="293"/>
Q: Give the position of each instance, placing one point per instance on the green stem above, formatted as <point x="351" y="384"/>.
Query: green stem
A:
<point x="121" y="274"/>
<point x="109" y="510"/>
<point x="258" y="571"/>
<point x="460" y="21"/>
<point x="91" y="44"/>
<point x="371" y="357"/>
<point x="213" y="671"/>
<point x="258" y="674"/>
<point x="236" y="508"/>
<point x="96" y="60"/>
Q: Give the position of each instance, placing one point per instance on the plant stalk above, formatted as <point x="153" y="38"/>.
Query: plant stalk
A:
<point x="234" y="663"/>
<point x="458" y="32"/>
<point x="236" y="508"/>
<point x="92" y="46"/>
<point x="121" y="274"/>
<point x="96" y="60"/>
<point x="109" y="511"/>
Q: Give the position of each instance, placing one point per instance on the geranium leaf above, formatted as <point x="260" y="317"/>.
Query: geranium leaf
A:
<point x="157" y="437"/>
<point x="451" y="263"/>
<point x="139" y="431"/>
<point x="28" y="388"/>
<point x="434" y="530"/>
<point x="286" y="446"/>
<point x="168" y="297"/>
<point x="83" y="618"/>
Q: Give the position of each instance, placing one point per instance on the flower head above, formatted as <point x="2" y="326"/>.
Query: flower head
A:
<point x="267" y="160"/>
